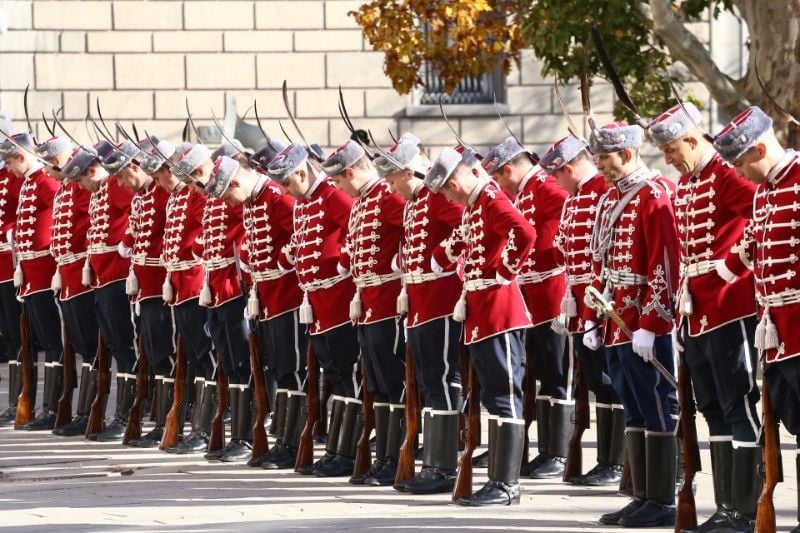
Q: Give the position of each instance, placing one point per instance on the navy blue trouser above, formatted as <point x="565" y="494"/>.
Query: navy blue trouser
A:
<point x="190" y="317"/>
<point x="648" y="398"/>
<point x="155" y="322"/>
<point x="435" y="346"/>
<point x="498" y="361"/>
<point x="552" y="362"/>
<point x="284" y="343"/>
<point x="229" y="332"/>
<point x="722" y="364"/>
<point x="783" y="381"/>
<point x="595" y="371"/>
<point x="337" y="352"/>
<point x="10" y="311"/>
<point x="81" y="322"/>
<point x="383" y="348"/>
<point x="116" y="322"/>
<point x="45" y="324"/>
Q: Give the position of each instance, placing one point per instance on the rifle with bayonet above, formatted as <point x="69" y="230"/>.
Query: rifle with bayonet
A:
<point x="686" y="514"/>
<point x="363" y="459"/>
<point x="574" y="464"/>
<point x="305" y="450"/>
<point x="463" y="484"/>
<point x="405" y="463"/>
<point x="133" y="430"/>
<point x="64" y="411"/>
<point x="174" y="420"/>
<point x="765" y="508"/>
<point x="97" y="412"/>
<point x="216" y="440"/>
<point x="25" y="406"/>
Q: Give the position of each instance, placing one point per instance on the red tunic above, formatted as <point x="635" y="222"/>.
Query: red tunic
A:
<point x="33" y="232"/>
<point x="315" y="251"/>
<point x="429" y="220"/>
<point x="495" y="239"/>
<point x="541" y="277"/>
<point x="268" y="224"/>
<point x="9" y="196"/>
<point x="769" y="246"/>
<point x="375" y="230"/>
<point x="712" y="206"/>
<point x="69" y="244"/>
<point x="109" y="208"/>
<point x="181" y="250"/>
<point x="634" y="250"/>
<point x="145" y="239"/>
<point x="572" y="241"/>
<point x="222" y="234"/>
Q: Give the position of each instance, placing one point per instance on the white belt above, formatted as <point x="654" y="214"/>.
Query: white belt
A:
<point x="97" y="249"/>
<point x="268" y="275"/>
<point x="147" y="261"/>
<point x="479" y="284"/>
<point x="66" y="259"/>
<point x="373" y="280"/>
<point x="413" y="278"/>
<point x="580" y="279"/>
<point x="697" y="269"/>
<point x="178" y="266"/>
<point x="5" y="247"/>
<point x="538" y="277"/>
<point x="27" y="256"/>
<point x="326" y="283"/>
<point x="618" y="277"/>
<point x="787" y="297"/>
<point x="218" y="264"/>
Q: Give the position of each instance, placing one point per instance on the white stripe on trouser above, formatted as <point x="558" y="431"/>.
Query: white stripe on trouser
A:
<point x="510" y="376"/>
<point x="446" y="364"/>
<point x="174" y="330"/>
<point x="136" y="333"/>
<point x="355" y="375"/>
<point x="571" y="344"/>
<point x="297" y="362"/>
<point x="659" y="407"/>
<point x="750" y="378"/>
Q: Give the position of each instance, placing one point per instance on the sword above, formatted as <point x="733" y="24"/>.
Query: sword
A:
<point x="596" y="301"/>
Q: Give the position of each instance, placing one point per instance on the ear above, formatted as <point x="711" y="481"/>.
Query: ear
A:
<point x="474" y="172"/>
<point x="626" y="156"/>
<point x="762" y="150"/>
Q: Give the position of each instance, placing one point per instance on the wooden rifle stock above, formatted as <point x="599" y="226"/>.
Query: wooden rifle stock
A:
<point x="574" y="464"/>
<point x="765" y="510"/>
<point x="173" y="422"/>
<point x="405" y="463"/>
<point x="64" y="411"/>
<point x="98" y="409"/>
<point x="463" y="365"/>
<point x="363" y="459"/>
<point x="24" y="407"/>
<point x="463" y="485"/>
<point x="305" y="449"/>
<point x="133" y="430"/>
<point x="686" y="514"/>
<point x="528" y="409"/>
<point x="216" y="441"/>
<point x="260" y="440"/>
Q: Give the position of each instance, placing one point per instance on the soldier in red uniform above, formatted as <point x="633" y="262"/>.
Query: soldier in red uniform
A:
<point x="495" y="240"/>
<point x="429" y="220"/>
<point x="143" y="244"/>
<point x="105" y="271"/>
<point x="371" y="255"/>
<point x="35" y="267"/>
<point x="321" y="215"/>
<point x="570" y="163"/>
<point x="541" y="279"/>
<point x="717" y="320"/>
<point x="635" y="248"/>
<point x="222" y="238"/>
<point x="768" y="248"/>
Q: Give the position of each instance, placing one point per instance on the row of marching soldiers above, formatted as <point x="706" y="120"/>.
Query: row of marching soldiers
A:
<point x="358" y="255"/>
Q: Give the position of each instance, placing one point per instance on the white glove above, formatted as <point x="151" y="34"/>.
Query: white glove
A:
<point x="723" y="271"/>
<point x="396" y="263"/>
<point x="436" y="268"/>
<point x="643" y="341"/>
<point x="676" y="341"/>
<point x="501" y="280"/>
<point x="10" y="237"/>
<point x="244" y="267"/>
<point x="124" y="251"/>
<point x="591" y="339"/>
<point x="341" y="270"/>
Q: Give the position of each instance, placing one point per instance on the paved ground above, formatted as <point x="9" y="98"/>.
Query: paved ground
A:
<point x="87" y="486"/>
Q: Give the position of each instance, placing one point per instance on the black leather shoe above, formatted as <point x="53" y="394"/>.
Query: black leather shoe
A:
<point x="719" y="520"/>
<point x="283" y="457"/>
<point x="482" y="460"/>
<point x="535" y="463"/>
<point x="376" y="465"/>
<point x="43" y="422"/>
<point x="550" y="468"/>
<point x="9" y="416"/>
<point x="493" y="493"/>
<point x="432" y="480"/>
<point x="338" y="466"/>
<point x="651" y="514"/>
<point x="796" y="530"/>
<point x="215" y="455"/>
<point x="612" y="519"/>
<point x="113" y="432"/>
<point x="75" y="427"/>
<point x="311" y="470"/>
<point x="237" y="453"/>
<point x="194" y="442"/>
<point x="384" y="476"/>
<point x="151" y="440"/>
<point x="599" y="476"/>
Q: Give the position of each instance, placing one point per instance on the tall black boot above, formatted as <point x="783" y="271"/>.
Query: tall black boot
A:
<point x="503" y="486"/>
<point x="277" y="423"/>
<point x="395" y="434"/>
<point x="659" y="509"/>
<point x="126" y="394"/>
<point x="86" y="389"/>
<point x="335" y="418"/>
<point x="382" y="415"/>
<point x="610" y="449"/>
<point x="53" y="385"/>
<point x="234" y="390"/>
<point x="284" y="457"/>
<point x="9" y="416"/>
<point x="635" y="449"/>
<point x="342" y="462"/>
<point x="440" y="457"/>
<point x="746" y="487"/>
<point x="163" y="397"/>
<point x="722" y="475"/>
<point x="205" y="406"/>
<point x="542" y="432"/>
<point x="242" y="446"/>
<point x="561" y="427"/>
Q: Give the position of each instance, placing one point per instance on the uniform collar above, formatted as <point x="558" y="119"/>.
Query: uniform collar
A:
<point x="587" y="178"/>
<point x="369" y="185"/>
<point x="777" y="173"/>
<point x="625" y="184"/>
<point x="703" y="163"/>
<point x="314" y="186"/>
<point x="530" y="175"/>
<point x="36" y="167"/>
<point x="476" y="192"/>
<point x="417" y="190"/>
<point x="260" y="185"/>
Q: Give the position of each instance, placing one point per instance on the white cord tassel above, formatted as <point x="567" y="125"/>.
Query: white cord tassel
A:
<point x="569" y="307"/>
<point x="685" y="303"/>
<point x="55" y="283"/>
<point x="355" y="306"/>
<point x="86" y="273"/>
<point x="132" y="284"/>
<point x="18" y="277"/>
<point x="769" y="333"/>
<point x="306" y="312"/>
<point x="402" y="302"/>
<point x="460" y="310"/>
<point x="205" y="295"/>
<point x="252" y="304"/>
<point x="167" y="292"/>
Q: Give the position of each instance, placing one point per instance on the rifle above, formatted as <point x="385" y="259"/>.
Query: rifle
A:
<point x="765" y="511"/>
<point x="574" y="464"/>
<point x="363" y="459"/>
<point x="463" y="365"/>
<point x="64" y="411"/>
<point x="321" y="425"/>
<point x="98" y="411"/>
<point x="528" y="409"/>
<point x="463" y="485"/>
<point x="405" y="463"/>
<point x="216" y="441"/>
<point x="24" y="405"/>
<point x="133" y="430"/>
<point x="173" y="423"/>
<point x="686" y="514"/>
<point x="260" y="440"/>
<point x="305" y="449"/>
